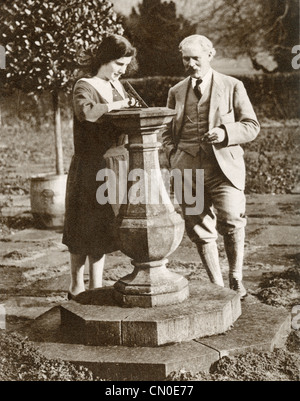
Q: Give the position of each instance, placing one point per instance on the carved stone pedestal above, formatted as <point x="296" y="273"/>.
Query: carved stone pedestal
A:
<point x="150" y="228"/>
<point x="149" y="323"/>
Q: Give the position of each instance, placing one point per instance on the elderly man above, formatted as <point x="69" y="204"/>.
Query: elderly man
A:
<point x="214" y="116"/>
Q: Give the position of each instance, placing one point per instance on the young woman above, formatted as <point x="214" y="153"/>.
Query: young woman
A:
<point x="89" y="230"/>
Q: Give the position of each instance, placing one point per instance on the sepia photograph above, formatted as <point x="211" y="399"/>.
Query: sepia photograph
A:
<point x="150" y="193"/>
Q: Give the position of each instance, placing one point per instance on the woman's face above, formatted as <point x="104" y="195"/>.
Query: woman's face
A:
<point x="114" y="69"/>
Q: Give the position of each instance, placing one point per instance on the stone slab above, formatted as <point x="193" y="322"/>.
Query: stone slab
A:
<point x="7" y="247"/>
<point x="281" y="220"/>
<point x="20" y="273"/>
<point x="138" y="363"/>
<point x="209" y="310"/>
<point x="94" y="324"/>
<point x="26" y="313"/>
<point x="260" y="328"/>
<point x="156" y="363"/>
<point x="266" y="205"/>
<point x="34" y="235"/>
<point x="269" y="235"/>
<point x="190" y="254"/>
<point x="117" y="362"/>
<point x="29" y="307"/>
<point x="43" y="259"/>
<point x="19" y="250"/>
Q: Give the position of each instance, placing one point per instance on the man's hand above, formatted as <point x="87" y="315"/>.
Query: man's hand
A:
<point x="215" y="135"/>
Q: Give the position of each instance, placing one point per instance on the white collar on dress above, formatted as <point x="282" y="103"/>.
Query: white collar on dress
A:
<point x="103" y="87"/>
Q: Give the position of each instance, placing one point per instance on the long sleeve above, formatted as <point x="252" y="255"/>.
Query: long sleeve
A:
<point x="246" y="127"/>
<point x="85" y="108"/>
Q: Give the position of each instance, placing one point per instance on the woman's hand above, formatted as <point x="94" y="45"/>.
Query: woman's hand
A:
<point x="120" y="104"/>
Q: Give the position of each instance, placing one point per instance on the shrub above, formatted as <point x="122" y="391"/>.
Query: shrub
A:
<point x="274" y="96"/>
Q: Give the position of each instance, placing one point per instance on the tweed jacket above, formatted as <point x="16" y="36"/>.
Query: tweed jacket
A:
<point x="230" y="108"/>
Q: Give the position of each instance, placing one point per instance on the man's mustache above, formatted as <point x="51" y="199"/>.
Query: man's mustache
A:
<point x="191" y="70"/>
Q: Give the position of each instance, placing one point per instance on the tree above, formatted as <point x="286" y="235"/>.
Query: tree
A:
<point x="262" y="29"/>
<point x="42" y="40"/>
<point x="282" y="30"/>
<point x="156" y="31"/>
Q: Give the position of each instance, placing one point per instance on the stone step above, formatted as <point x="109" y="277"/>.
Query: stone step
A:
<point x="99" y="320"/>
<point x="260" y="328"/>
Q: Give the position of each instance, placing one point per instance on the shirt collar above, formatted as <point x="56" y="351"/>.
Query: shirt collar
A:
<point x="205" y="80"/>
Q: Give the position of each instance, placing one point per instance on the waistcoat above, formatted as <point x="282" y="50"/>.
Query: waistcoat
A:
<point x="195" y="123"/>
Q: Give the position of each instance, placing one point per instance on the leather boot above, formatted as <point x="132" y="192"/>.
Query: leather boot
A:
<point x="210" y="258"/>
<point x="234" y="247"/>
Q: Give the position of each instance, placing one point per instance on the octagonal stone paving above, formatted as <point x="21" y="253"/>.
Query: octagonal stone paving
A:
<point x="96" y="319"/>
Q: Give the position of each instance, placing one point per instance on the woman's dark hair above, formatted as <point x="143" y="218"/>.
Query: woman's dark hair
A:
<point x="111" y="48"/>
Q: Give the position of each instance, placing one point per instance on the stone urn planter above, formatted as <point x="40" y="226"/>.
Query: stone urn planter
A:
<point x="47" y="198"/>
<point x="149" y="231"/>
<point x="48" y="191"/>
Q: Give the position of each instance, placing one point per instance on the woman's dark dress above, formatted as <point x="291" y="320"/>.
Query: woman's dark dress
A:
<point x="89" y="227"/>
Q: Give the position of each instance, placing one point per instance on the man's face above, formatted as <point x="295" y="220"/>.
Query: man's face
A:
<point x="196" y="60"/>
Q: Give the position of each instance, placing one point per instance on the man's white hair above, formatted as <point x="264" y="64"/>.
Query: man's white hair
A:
<point x="198" y="40"/>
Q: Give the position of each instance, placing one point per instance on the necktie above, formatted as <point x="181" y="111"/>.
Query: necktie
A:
<point x="197" y="89"/>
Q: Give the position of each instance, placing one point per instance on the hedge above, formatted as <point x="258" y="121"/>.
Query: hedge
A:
<point x="274" y="96"/>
